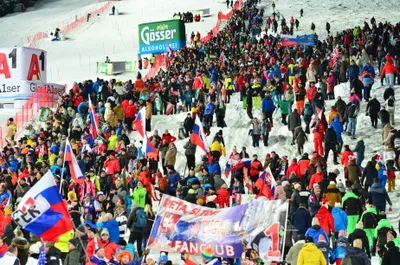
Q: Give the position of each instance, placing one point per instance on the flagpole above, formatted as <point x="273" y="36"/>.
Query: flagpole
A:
<point x="63" y="168"/>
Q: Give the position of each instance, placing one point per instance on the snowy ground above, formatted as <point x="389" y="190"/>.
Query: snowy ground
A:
<point x="116" y="37"/>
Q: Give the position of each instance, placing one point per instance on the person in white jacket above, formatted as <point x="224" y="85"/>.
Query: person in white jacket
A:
<point x="390" y="106"/>
<point x="291" y="257"/>
<point x="10" y="257"/>
<point x="34" y="251"/>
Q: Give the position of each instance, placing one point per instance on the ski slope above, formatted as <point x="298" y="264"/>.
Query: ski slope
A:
<point x="117" y="37"/>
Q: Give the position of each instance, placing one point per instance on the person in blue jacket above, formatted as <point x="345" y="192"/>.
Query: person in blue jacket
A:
<point x="341" y="246"/>
<point x="111" y="225"/>
<point x="214" y="76"/>
<point x="338" y="128"/>
<point x="315" y="230"/>
<point x="173" y="179"/>
<point x="209" y="113"/>
<point x="301" y="219"/>
<point x="268" y="107"/>
<point x="83" y="108"/>
<point x="339" y="217"/>
<point x="353" y="71"/>
<point x="214" y="167"/>
<point x="13" y="164"/>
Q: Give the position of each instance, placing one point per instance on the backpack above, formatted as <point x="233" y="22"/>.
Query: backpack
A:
<point x="370" y="220"/>
<point x="391" y="103"/>
<point x="352" y="260"/>
<point x="140" y="218"/>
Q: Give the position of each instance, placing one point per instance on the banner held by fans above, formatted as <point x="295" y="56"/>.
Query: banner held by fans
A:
<point x="184" y="227"/>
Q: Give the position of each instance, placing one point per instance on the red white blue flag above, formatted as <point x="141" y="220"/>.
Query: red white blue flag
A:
<point x="42" y="210"/>
<point x="199" y="138"/>
<point x="76" y="172"/>
<point x="266" y="184"/>
<point x="94" y="121"/>
<point x="140" y="122"/>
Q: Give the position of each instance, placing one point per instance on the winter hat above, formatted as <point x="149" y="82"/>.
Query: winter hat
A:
<point x="336" y="171"/>
<point x="268" y="155"/>
<point x="210" y="198"/>
<point x="332" y="183"/>
<point x="200" y="201"/>
<point x="342" y="233"/>
<point x="35" y="248"/>
<point x="298" y="185"/>
<point x="324" y="201"/>
<point x="314" y="221"/>
<point x="285" y="183"/>
<point x="207" y="254"/>
<point x="122" y="242"/>
<point x="105" y="232"/>
<point x="150" y="257"/>
<point x="74" y="242"/>
<point x="191" y="191"/>
<point x="321" y="238"/>
<point x="163" y="258"/>
<point x="338" y="205"/>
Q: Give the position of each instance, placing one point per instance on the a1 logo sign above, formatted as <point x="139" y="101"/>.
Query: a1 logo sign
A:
<point x="11" y="61"/>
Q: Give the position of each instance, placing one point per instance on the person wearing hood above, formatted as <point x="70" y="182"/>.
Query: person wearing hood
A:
<point x="355" y="252"/>
<point x="310" y="254"/>
<point x="292" y="255"/>
<point x="340" y="218"/>
<point x="351" y="204"/>
<point x="378" y="196"/>
<point x="331" y="143"/>
<point x="316" y="178"/>
<point x="300" y="138"/>
<point x="53" y="254"/>
<point x="332" y="194"/>
<point x="315" y="230"/>
<point x="352" y="172"/>
<point x="325" y="218"/>
<point x="301" y="219"/>
<point x="360" y="150"/>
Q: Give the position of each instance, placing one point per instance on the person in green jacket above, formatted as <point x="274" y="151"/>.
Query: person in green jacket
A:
<point x="228" y="87"/>
<point x="352" y="206"/>
<point x="112" y="141"/>
<point x="139" y="195"/>
<point x="284" y="107"/>
<point x="370" y="220"/>
<point x="72" y="257"/>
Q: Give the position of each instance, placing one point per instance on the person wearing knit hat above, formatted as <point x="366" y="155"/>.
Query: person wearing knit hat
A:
<point x="341" y="247"/>
<point x="207" y="255"/>
<point x="200" y="202"/>
<point x="34" y="251"/>
<point x="315" y="230"/>
<point x="150" y="260"/>
<point x="162" y="259"/>
<point x="73" y="254"/>
<point x="125" y="257"/>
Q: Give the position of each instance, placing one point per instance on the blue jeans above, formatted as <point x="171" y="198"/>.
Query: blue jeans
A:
<point x="389" y="79"/>
<point x="340" y="143"/>
<point x="351" y="127"/>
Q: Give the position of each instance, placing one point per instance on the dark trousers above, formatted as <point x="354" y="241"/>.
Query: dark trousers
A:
<point x="268" y="116"/>
<point x="284" y="118"/>
<point x="374" y="120"/>
<point x="190" y="161"/>
<point x="256" y="140"/>
<point x="333" y="149"/>
<point x="216" y="155"/>
<point x="129" y="123"/>
<point x="148" y="125"/>
<point x="137" y="237"/>
<point x="265" y="138"/>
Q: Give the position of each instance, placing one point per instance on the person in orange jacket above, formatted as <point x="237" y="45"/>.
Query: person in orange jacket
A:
<point x="316" y="178"/>
<point x="139" y="84"/>
<point x="318" y="140"/>
<point x="325" y="218"/>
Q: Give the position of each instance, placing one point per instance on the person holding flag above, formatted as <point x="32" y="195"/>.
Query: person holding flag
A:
<point x="199" y="138"/>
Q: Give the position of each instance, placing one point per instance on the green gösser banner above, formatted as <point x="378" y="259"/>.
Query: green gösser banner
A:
<point x="156" y="36"/>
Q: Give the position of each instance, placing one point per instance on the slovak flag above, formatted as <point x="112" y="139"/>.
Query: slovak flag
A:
<point x="266" y="184"/>
<point x="94" y="122"/>
<point x="76" y="172"/>
<point x="140" y="122"/>
<point x="171" y="52"/>
<point x="199" y="138"/>
<point x="148" y="148"/>
<point x="42" y="210"/>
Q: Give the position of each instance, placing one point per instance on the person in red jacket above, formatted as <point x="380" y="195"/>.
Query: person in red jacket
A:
<point x="318" y="140"/>
<point x="223" y="197"/>
<point x="347" y="153"/>
<point x="388" y="72"/>
<point x="325" y="218"/>
<point x="295" y="168"/>
<point x="167" y="136"/>
<point x="304" y="162"/>
<point x="112" y="164"/>
<point x="130" y="113"/>
<point x="255" y="168"/>
<point x="316" y="178"/>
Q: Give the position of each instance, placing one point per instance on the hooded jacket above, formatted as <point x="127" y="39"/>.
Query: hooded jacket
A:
<point x="310" y="255"/>
<point x="301" y="220"/>
<point x="314" y="232"/>
<point x="332" y="194"/>
<point x="325" y="220"/>
<point x="378" y="195"/>
<point x="340" y="219"/>
<point x="294" y="251"/>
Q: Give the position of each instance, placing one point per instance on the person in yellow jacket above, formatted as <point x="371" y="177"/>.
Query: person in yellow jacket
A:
<point x="62" y="243"/>
<point x="119" y="112"/>
<point x="11" y="129"/>
<point x="228" y="84"/>
<point x="310" y="254"/>
<point x="112" y="141"/>
<point x="52" y="158"/>
<point x="217" y="149"/>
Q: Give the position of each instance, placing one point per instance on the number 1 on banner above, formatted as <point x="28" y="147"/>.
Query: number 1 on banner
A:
<point x="273" y="233"/>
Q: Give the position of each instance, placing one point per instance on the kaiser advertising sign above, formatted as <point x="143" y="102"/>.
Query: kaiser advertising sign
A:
<point x="184" y="227"/>
<point x="156" y="36"/>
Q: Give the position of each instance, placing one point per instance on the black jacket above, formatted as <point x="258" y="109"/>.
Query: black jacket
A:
<point x="392" y="255"/>
<point x="53" y="256"/>
<point x="384" y="116"/>
<point x="388" y="92"/>
<point x="373" y="107"/>
<point x="330" y="139"/>
<point x="360" y="234"/>
<point x="369" y="173"/>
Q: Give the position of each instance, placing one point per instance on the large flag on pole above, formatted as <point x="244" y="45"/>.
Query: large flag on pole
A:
<point x="42" y="210"/>
<point x="76" y="172"/>
<point x="94" y="122"/>
<point x="266" y="184"/>
<point x="199" y="138"/>
<point x="140" y="122"/>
